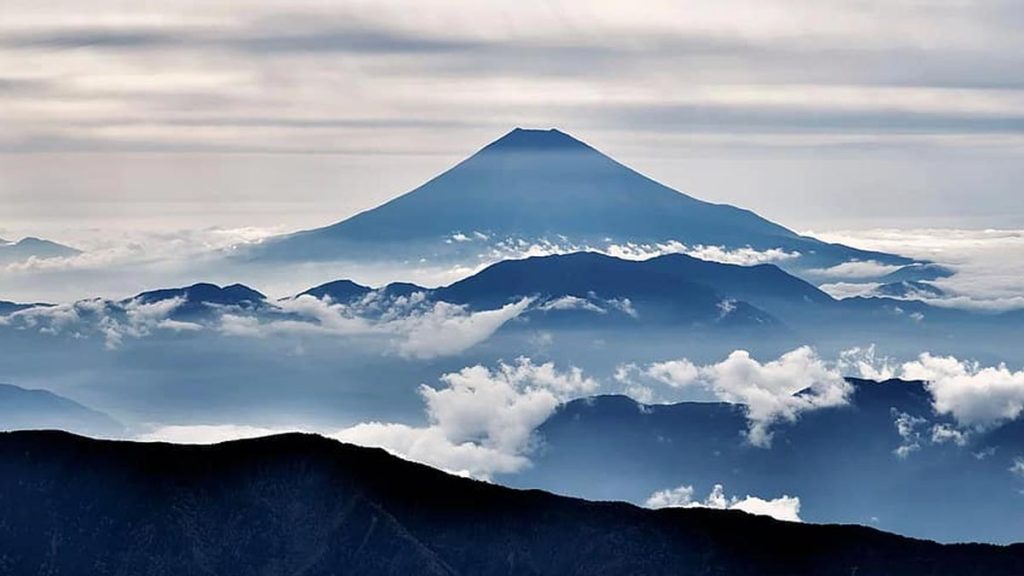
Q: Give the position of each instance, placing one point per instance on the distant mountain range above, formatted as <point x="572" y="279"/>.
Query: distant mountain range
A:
<point x="33" y="248"/>
<point x="845" y="463"/>
<point x="25" y="409"/>
<point x="595" y="291"/>
<point x="297" y="504"/>
<point x="587" y="288"/>
<point x="545" y="184"/>
<point x="200" y="299"/>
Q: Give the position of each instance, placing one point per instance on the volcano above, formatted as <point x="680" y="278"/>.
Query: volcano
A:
<point x="532" y="185"/>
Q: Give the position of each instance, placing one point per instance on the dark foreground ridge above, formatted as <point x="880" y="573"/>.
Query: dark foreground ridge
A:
<point x="302" y="504"/>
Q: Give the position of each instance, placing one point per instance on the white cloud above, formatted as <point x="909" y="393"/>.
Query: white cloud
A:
<point x="112" y="320"/>
<point x="675" y="373"/>
<point x="840" y="290"/>
<point x="516" y="248"/>
<point x="482" y="421"/>
<point x="774" y="391"/>
<point x="989" y="263"/>
<point x="866" y="363"/>
<point x="856" y="269"/>
<point x="446" y="329"/>
<point x="943" y="433"/>
<point x="745" y="256"/>
<point x="782" y="508"/>
<point x="420" y="329"/>
<point x="572" y="303"/>
<point x="1017" y="469"/>
<point x="907" y="427"/>
<point x="976" y="396"/>
<point x="207" y="433"/>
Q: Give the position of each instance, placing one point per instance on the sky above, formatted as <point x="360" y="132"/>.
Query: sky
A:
<point x="282" y="115"/>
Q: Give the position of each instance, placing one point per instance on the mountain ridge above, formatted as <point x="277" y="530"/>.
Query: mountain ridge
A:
<point x="297" y="502"/>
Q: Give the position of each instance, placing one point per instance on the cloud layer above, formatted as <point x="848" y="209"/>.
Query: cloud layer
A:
<point x="782" y="508"/>
<point x="989" y="263"/>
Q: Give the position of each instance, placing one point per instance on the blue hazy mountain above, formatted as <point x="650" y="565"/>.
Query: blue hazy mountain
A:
<point x="25" y="409"/>
<point x="33" y="248"/>
<point x="590" y="289"/>
<point x="909" y="289"/>
<point x="339" y="291"/>
<point x="201" y="298"/>
<point x="302" y="504"/>
<point x="9" y="307"/>
<point x="674" y="278"/>
<point x="841" y="462"/>
<point x="546" y="184"/>
<point x="922" y="271"/>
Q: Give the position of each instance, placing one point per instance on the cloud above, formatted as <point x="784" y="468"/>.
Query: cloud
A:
<point x="207" y="433"/>
<point x="418" y="328"/>
<point x="447" y="329"/>
<point x="907" y="427"/>
<point x="842" y="290"/>
<point x="856" y="269"/>
<point x="592" y="303"/>
<point x="782" y="508"/>
<point x="976" y="396"/>
<point x="866" y="363"/>
<point x="989" y="263"/>
<point x="114" y="321"/>
<point x="1017" y="469"/>
<point x="779" y="390"/>
<point x="481" y="422"/>
<point x="517" y="248"/>
<point x="745" y="256"/>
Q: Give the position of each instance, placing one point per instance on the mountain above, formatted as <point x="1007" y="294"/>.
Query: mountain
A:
<point x="595" y="290"/>
<point x="10" y="307"/>
<point x="24" y="409"/>
<point x="199" y="299"/>
<point x="33" y="248"/>
<point x="339" y="291"/>
<point x="675" y="278"/>
<point x="878" y="460"/>
<point x="909" y="289"/>
<point x="545" y="184"/>
<point x="300" y="504"/>
<point x="920" y="272"/>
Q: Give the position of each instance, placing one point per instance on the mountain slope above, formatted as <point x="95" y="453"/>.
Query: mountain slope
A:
<point x="33" y="248"/>
<point x="545" y="184"/>
<point x="25" y="409"/>
<point x="301" y="504"/>
<point x="199" y="299"/>
<point x="675" y="277"/>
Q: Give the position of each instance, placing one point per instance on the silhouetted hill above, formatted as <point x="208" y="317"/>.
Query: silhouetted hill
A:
<point x="299" y="504"/>
<point x="545" y="184"/>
